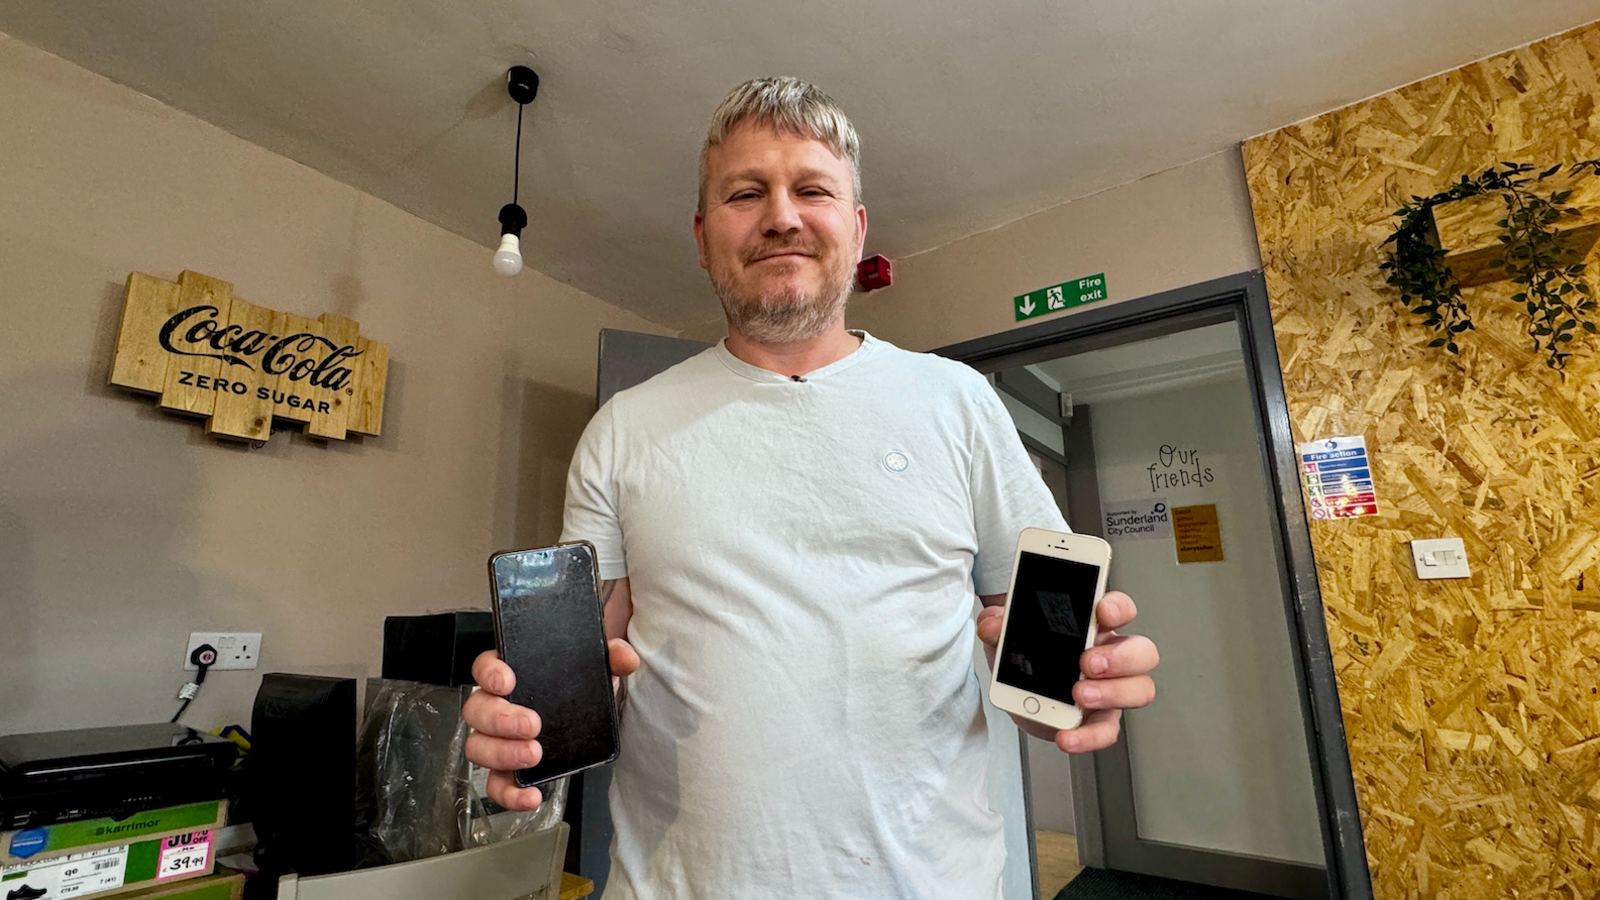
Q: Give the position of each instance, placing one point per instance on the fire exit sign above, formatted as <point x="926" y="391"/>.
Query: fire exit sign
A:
<point x="1060" y="296"/>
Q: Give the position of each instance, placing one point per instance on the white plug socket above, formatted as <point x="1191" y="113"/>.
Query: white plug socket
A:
<point x="235" y="649"/>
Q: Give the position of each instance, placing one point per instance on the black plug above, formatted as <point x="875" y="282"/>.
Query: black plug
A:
<point x="204" y="657"/>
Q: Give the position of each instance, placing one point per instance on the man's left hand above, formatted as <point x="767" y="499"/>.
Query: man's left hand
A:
<point x="1116" y="674"/>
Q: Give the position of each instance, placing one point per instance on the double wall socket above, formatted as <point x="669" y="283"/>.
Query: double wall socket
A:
<point x="235" y="649"/>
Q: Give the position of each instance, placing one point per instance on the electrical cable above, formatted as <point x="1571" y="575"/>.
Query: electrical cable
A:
<point x="516" y="163"/>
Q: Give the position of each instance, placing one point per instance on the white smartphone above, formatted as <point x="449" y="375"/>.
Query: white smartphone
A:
<point x="1056" y="583"/>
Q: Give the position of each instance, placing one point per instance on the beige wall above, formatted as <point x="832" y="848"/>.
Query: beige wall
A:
<point x="1166" y="231"/>
<point x="122" y="529"/>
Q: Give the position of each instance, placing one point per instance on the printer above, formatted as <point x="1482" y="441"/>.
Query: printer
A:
<point x="91" y="773"/>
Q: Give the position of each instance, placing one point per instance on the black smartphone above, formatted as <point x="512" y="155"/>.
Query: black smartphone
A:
<point x="550" y="628"/>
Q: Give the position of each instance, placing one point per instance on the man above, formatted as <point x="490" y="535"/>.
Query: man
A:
<point x="791" y="528"/>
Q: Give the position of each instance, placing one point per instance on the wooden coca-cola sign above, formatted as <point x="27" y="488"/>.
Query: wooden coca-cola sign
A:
<point x="240" y="366"/>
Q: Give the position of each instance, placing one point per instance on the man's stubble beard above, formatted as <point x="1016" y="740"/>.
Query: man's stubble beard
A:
<point x="787" y="316"/>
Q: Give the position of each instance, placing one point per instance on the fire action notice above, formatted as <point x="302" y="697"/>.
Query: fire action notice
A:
<point x="1338" y="478"/>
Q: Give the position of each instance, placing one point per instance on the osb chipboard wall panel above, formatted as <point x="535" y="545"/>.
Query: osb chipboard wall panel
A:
<point x="1472" y="708"/>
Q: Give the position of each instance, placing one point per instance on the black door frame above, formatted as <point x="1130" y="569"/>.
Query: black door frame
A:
<point x="1244" y="298"/>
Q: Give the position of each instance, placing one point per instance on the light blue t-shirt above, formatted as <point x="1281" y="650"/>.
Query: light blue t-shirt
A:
<point x="803" y="557"/>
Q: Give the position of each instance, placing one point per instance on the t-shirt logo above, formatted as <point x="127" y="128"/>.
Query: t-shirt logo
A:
<point x="895" y="461"/>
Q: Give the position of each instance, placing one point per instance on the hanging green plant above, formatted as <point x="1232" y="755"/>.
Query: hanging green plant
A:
<point x="1549" y="272"/>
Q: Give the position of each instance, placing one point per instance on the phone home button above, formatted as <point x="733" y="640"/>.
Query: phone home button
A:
<point x="1030" y="705"/>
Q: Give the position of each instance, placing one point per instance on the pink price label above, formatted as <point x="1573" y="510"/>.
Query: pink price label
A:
<point x="184" y="854"/>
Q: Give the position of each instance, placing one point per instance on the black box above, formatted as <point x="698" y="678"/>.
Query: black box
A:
<point x="302" y="774"/>
<point x="438" y="648"/>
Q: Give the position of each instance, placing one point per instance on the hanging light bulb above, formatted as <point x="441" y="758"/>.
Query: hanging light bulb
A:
<point x="522" y="84"/>
<point x="508" y="259"/>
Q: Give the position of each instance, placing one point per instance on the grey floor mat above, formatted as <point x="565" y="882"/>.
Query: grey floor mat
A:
<point x="1105" y="884"/>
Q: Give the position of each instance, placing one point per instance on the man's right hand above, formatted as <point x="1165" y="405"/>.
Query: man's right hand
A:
<point x="504" y="735"/>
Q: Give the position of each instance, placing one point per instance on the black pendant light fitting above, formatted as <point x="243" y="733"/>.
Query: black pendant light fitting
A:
<point x="522" y="83"/>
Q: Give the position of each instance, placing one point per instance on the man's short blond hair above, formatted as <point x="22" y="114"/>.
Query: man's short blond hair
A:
<point x="790" y="106"/>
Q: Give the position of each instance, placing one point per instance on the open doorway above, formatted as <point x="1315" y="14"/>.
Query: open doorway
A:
<point x="1158" y="425"/>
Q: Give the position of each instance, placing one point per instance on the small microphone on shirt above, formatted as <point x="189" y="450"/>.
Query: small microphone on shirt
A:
<point x="797" y="378"/>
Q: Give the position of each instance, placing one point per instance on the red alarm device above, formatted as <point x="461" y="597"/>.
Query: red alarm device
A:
<point x="872" y="273"/>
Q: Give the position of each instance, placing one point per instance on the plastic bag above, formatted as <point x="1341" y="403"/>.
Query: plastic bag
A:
<point x="416" y="794"/>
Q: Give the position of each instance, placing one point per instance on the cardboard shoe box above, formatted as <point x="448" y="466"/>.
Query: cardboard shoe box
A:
<point x="34" y="845"/>
<point x="104" y="871"/>
<point x="220" y="887"/>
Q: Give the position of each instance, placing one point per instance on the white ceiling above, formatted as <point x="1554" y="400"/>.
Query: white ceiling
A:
<point x="972" y="113"/>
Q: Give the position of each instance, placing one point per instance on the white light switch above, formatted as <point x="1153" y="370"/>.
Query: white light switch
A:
<point x="1441" y="558"/>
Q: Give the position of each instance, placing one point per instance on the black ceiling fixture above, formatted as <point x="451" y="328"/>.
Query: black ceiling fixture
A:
<point x="522" y="83"/>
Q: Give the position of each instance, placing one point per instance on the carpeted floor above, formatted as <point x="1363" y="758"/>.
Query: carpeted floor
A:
<point x="1104" y="884"/>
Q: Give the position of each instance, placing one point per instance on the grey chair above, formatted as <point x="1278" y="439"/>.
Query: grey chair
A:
<point x="528" y="866"/>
